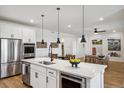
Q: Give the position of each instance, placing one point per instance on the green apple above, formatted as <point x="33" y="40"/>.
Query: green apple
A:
<point x="72" y="60"/>
<point x="77" y="60"/>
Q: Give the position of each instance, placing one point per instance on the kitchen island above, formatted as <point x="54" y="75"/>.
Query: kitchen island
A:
<point x="62" y="74"/>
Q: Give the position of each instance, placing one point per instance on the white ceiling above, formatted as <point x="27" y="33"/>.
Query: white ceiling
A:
<point x="69" y="14"/>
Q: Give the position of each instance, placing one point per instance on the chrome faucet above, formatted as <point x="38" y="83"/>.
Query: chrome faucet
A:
<point x="50" y="52"/>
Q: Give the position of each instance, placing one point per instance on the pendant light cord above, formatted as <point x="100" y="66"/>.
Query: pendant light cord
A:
<point x="42" y="26"/>
<point x="58" y="21"/>
<point x="83" y="40"/>
<point x="83" y="19"/>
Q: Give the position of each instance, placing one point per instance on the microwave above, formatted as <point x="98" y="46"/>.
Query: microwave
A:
<point x="29" y="50"/>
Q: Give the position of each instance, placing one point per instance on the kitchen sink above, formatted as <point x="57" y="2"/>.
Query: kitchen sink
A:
<point x="46" y="62"/>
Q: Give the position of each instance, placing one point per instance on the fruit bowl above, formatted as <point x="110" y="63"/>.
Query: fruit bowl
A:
<point x="74" y="62"/>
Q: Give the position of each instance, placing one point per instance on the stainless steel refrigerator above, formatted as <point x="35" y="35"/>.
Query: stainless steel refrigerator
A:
<point x="10" y="57"/>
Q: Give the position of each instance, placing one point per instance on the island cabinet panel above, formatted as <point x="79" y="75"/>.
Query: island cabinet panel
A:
<point x="43" y="77"/>
<point x="51" y="78"/>
<point x="96" y="82"/>
<point x="51" y="83"/>
<point x="38" y="77"/>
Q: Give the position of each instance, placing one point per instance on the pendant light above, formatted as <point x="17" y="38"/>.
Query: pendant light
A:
<point x="83" y="40"/>
<point x="58" y="38"/>
<point x="42" y="42"/>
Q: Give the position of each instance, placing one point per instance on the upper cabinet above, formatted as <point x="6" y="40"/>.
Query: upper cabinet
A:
<point x="10" y="31"/>
<point x="16" y="31"/>
<point x="28" y="35"/>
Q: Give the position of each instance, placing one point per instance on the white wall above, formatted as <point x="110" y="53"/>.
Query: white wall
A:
<point x="104" y="47"/>
<point x="49" y="36"/>
<point x="80" y="49"/>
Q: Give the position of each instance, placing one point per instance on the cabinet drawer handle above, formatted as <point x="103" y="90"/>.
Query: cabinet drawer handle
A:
<point x="51" y="72"/>
<point x="47" y="79"/>
<point x="36" y="75"/>
<point x="12" y="35"/>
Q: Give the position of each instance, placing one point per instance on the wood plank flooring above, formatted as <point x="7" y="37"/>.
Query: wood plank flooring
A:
<point x="114" y="75"/>
<point x="114" y="78"/>
<point x="12" y="82"/>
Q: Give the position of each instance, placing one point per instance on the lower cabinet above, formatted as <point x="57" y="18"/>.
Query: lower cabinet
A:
<point x="42" y="77"/>
<point x="38" y="80"/>
<point x="38" y="76"/>
<point x="51" y="83"/>
<point x="51" y="78"/>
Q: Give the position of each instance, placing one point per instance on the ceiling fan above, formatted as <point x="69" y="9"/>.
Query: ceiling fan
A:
<point x="100" y="31"/>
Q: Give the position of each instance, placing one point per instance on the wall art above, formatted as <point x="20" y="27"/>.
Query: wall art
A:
<point x="114" y="44"/>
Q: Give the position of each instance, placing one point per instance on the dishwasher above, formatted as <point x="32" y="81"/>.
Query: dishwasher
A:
<point x="71" y="81"/>
<point x="26" y="73"/>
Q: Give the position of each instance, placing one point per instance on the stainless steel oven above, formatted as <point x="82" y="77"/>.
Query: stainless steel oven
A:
<point x="71" y="81"/>
<point x="29" y="50"/>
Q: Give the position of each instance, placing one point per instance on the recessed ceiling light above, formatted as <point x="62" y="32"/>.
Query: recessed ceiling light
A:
<point x="114" y="31"/>
<point x="31" y="20"/>
<point x="101" y="18"/>
<point x="69" y="26"/>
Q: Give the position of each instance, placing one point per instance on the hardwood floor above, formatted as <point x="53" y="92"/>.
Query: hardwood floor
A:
<point x="114" y="75"/>
<point x="12" y="82"/>
<point x="114" y="78"/>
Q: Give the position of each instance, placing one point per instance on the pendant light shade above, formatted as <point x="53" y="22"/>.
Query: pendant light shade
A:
<point x="83" y="40"/>
<point x="42" y="42"/>
<point x="58" y="39"/>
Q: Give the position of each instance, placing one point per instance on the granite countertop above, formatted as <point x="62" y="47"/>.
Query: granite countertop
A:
<point x="87" y="70"/>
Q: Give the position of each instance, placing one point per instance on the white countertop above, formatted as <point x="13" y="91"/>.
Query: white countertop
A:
<point x="87" y="70"/>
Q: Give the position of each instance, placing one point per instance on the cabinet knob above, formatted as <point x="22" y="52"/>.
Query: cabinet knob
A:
<point x="29" y="40"/>
<point x="12" y="35"/>
<point x="51" y="72"/>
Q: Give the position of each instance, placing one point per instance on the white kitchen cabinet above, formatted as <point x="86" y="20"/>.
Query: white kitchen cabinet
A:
<point x="51" y="82"/>
<point x="42" y="77"/>
<point x="28" y="35"/>
<point x="38" y="76"/>
<point x="51" y="79"/>
<point x="38" y="80"/>
<point x="10" y="31"/>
